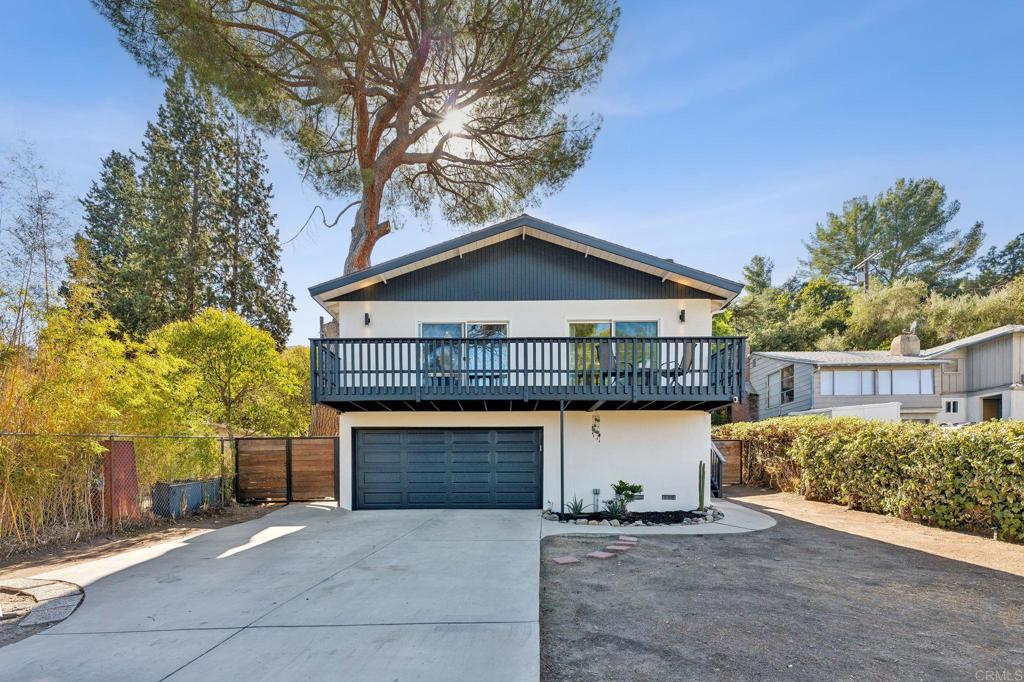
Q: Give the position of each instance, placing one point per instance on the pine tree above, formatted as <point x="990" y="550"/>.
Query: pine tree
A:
<point x="194" y="228"/>
<point x="183" y="151"/>
<point x="249" y="277"/>
<point x="113" y="220"/>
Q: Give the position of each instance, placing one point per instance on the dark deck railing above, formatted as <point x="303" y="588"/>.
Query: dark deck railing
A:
<point x="561" y="368"/>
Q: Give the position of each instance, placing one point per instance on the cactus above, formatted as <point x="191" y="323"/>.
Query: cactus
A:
<point x="701" y="471"/>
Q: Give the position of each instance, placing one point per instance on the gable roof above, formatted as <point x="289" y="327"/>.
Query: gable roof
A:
<point x="527" y="225"/>
<point x="849" y="358"/>
<point x="976" y="338"/>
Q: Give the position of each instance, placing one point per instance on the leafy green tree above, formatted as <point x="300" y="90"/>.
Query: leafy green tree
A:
<point x="908" y="230"/>
<point x="240" y="376"/>
<point x="757" y="274"/>
<point x="878" y="315"/>
<point x="404" y="104"/>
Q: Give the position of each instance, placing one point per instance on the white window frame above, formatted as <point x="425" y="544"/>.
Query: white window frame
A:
<point x="884" y="377"/>
<point x="956" y="366"/>
<point x="954" y="404"/>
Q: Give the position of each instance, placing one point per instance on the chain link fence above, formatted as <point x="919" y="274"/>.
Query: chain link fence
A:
<point x="60" y="487"/>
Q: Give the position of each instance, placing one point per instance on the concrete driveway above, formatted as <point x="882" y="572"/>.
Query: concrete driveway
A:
<point x="307" y="592"/>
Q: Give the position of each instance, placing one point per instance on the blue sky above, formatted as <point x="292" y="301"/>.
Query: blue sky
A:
<point x="729" y="128"/>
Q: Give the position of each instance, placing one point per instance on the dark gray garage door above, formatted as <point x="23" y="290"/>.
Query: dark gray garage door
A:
<point x="447" y="468"/>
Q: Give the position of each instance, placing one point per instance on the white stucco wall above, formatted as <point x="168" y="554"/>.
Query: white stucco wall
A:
<point x="659" y="450"/>
<point x="525" y="318"/>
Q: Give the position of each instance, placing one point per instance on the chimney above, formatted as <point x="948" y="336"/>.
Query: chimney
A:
<point x="906" y="343"/>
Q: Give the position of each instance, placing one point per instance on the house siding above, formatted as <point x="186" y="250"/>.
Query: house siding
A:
<point x="955" y="382"/>
<point x="762" y="367"/>
<point x="990" y="364"/>
<point x="527" y="269"/>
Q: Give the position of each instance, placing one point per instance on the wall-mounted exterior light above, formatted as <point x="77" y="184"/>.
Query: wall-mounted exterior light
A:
<point x="682" y="315"/>
<point x="366" y="319"/>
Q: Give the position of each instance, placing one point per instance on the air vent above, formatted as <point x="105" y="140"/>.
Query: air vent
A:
<point x="668" y="497"/>
<point x="638" y="497"/>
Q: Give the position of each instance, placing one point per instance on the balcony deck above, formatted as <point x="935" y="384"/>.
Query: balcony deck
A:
<point x="467" y="374"/>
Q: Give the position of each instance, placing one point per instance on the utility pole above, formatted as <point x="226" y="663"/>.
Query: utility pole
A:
<point x="866" y="266"/>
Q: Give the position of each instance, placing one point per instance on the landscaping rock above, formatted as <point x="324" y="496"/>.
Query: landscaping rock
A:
<point x="617" y="548"/>
<point x="614" y="522"/>
<point x="592" y="522"/>
<point x="606" y="522"/>
<point x="600" y="555"/>
<point x="629" y="538"/>
<point x="581" y="522"/>
<point x="562" y="560"/>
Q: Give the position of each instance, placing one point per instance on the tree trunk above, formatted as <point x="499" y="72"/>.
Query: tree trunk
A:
<point x="366" y="232"/>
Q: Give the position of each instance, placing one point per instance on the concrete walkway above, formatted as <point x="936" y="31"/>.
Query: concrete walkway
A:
<point x="303" y="593"/>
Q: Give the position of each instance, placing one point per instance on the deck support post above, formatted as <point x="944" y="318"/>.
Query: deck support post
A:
<point x="561" y="452"/>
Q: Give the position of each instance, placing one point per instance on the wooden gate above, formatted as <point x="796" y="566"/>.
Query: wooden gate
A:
<point x="286" y="469"/>
<point x="732" y="468"/>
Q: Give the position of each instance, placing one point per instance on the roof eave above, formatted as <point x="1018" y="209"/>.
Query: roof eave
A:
<point x="726" y="289"/>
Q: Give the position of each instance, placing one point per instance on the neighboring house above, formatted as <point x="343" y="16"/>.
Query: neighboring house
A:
<point x="973" y="379"/>
<point x="522" y="365"/>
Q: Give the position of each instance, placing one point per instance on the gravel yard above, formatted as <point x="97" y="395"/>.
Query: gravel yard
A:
<point x="796" y="602"/>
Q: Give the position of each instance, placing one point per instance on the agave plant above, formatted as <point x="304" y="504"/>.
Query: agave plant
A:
<point x="575" y="506"/>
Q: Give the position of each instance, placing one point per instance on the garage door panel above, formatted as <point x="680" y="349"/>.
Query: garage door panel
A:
<point x="447" y="468"/>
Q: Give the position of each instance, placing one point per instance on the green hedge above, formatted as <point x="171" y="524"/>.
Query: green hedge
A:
<point x="970" y="478"/>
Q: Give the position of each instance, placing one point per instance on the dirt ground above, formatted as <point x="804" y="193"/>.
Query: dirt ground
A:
<point x="817" y="597"/>
<point x="51" y="556"/>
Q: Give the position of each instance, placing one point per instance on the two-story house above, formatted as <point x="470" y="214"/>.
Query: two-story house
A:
<point x="523" y="365"/>
<point x="972" y="379"/>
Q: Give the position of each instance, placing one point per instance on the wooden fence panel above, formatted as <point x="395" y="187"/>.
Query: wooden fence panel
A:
<point x="313" y="468"/>
<point x="286" y="469"/>
<point x="732" y="468"/>
<point x="262" y="469"/>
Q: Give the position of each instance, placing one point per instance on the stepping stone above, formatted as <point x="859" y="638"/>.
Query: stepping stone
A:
<point x="629" y="538"/>
<point x="562" y="560"/>
<point x="600" y="555"/>
<point x="618" y="548"/>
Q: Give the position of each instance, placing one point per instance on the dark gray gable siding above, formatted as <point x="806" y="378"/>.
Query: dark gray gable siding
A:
<point x="520" y="269"/>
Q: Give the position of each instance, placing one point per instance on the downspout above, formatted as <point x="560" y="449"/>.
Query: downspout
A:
<point x="561" y="452"/>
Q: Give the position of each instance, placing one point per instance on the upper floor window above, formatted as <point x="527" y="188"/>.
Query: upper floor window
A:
<point x="781" y="387"/>
<point x="952" y="366"/>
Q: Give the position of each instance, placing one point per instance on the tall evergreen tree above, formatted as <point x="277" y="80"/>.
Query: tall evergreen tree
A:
<point x="193" y="229"/>
<point x="113" y="220"/>
<point x="249" y="276"/>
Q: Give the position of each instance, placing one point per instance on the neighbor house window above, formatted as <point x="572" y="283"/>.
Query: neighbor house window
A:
<point x="884" y="382"/>
<point x="827" y="382"/>
<point x="847" y="382"/>
<point x="952" y="406"/>
<point x="781" y="387"/>
<point x="913" y="382"/>
<point x="867" y="383"/>
<point x="774" y="389"/>
<point x="951" y="366"/>
<point x="787" y="384"/>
